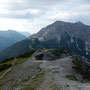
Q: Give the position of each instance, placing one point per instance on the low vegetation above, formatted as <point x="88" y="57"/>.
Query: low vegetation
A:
<point x="30" y="81"/>
<point x="71" y="77"/>
<point x="56" y="52"/>
<point x="20" y="60"/>
<point x="28" y="54"/>
<point x="39" y="57"/>
<point x="7" y="60"/>
<point x="55" y="87"/>
<point x="82" y="68"/>
<point x="5" y="66"/>
<point x="35" y="81"/>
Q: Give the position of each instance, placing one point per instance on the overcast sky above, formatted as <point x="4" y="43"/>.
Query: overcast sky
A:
<point x="32" y="15"/>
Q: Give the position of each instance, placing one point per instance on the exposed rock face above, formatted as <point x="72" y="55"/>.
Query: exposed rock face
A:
<point x="56" y="29"/>
<point x="75" y="36"/>
<point x="51" y="54"/>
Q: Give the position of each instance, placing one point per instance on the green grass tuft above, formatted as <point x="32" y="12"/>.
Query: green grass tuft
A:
<point x="5" y="66"/>
<point x="71" y="77"/>
<point x="21" y="60"/>
<point x="35" y="82"/>
<point x="83" y="71"/>
<point x="56" y="52"/>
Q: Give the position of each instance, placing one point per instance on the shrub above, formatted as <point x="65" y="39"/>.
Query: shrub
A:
<point x="25" y="55"/>
<point x="82" y="68"/>
<point x="39" y="57"/>
<point x="5" y="66"/>
<point x="8" y="59"/>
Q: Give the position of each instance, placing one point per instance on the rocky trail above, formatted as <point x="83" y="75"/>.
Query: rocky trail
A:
<point x="59" y="75"/>
<point x="56" y="76"/>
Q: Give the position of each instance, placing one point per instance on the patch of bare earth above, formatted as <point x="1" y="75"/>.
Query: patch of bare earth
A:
<point x="61" y="76"/>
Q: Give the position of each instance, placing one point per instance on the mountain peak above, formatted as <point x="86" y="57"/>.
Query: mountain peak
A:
<point x="59" y="22"/>
<point x="11" y="30"/>
<point x="79" y="23"/>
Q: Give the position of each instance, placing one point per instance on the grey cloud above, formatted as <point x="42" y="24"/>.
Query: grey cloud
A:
<point x="47" y="8"/>
<point x="26" y="4"/>
<point x="39" y="13"/>
<point x="26" y="16"/>
<point x="40" y="4"/>
<point x="22" y="14"/>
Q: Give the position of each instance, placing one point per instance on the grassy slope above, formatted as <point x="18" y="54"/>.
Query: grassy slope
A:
<point x="9" y="62"/>
<point x="15" y="50"/>
<point x="21" y="48"/>
<point x="35" y="81"/>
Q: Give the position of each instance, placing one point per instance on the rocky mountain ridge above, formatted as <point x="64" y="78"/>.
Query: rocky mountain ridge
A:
<point x="59" y="35"/>
<point x="33" y="71"/>
<point x="74" y="36"/>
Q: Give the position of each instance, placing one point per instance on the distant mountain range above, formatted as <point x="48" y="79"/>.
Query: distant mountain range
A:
<point x="74" y="36"/>
<point x="27" y="34"/>
<point x="7" y="38"/>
